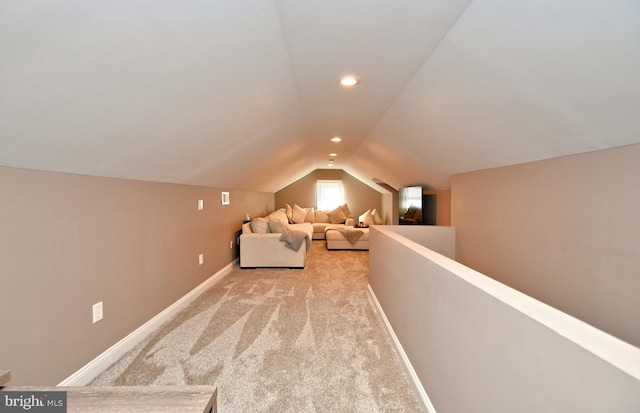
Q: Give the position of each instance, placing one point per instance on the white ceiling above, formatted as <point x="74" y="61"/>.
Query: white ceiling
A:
<point x="243" y="93"/>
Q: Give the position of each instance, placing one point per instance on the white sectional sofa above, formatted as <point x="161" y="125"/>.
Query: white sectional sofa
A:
<point x="260" y="244"/>
<point x="319" y="220"/>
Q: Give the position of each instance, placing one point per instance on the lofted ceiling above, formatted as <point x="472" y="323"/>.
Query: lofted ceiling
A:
<point x="244" y="94"/>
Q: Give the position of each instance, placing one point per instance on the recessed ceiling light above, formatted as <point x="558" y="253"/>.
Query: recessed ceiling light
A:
<point x="333" y="154"/>
<point x="349" y="81"/>
<point x="336" y="139"/>
<point x="330" y="164"/>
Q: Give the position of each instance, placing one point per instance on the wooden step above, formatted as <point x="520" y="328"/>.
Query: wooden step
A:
<point x="5" y="376"/>
<point x="134" y="399"/>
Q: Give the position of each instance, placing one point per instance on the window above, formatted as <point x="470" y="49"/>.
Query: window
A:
<point x="328" y="195"/>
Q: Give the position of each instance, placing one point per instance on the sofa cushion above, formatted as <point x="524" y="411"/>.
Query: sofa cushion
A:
<point x="337" y="216"/>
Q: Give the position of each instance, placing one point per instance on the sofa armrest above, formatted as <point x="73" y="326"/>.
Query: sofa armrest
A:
<point x="266" y="250"/>
<point x="350" y="222"/>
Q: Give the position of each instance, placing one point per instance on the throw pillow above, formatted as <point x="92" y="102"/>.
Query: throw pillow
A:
<point x="289" y="213"/>
<point x="347" y="212"/>
<point x="322" y="216"/>
<point x="281" y="213"/>
<point x="278" y="222"/>
<point x="260" y="225"/>
<point x="311" y="215"/>
<point x="337" y="216"/>
<point x="299" y="214"/>
<point x="377" y="219"/>
<point x="366" y="218"/>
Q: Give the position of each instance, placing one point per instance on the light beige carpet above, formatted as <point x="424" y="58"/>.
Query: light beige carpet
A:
<point x="279" y="340"/>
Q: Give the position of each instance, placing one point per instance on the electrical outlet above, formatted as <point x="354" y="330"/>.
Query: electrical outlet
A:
<point x="98" y="312"/>
<point x="200" y="204"/>
<point x="231" y="244"/>
<point x="200" y="259"/>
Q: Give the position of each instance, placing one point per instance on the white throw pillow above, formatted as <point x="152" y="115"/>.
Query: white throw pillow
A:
<point x="366" y="218"/>
<point x="299" y="214"/>
<point x="289" y="213"/>
<point x="278" y="222"/>
<point x="377" y="219"/>
<point x="282" y="213"/>
<point x="260" y="225"/>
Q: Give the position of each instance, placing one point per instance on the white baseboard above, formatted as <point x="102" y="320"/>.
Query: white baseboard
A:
<point x="96" y="366"/>
<point x="418" y="389"/>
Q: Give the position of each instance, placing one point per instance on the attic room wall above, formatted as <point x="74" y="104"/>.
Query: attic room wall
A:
<point x="358" y="196"/>
<point x="443" y="205"/>
<point x="69" y="241"/>
<point x="564" y="231"/>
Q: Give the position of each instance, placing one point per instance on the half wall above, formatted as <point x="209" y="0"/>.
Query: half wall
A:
<point x="477" y="345"/>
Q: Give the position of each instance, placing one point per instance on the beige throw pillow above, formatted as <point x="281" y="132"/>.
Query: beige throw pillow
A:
<point x="322" y="216"/>
<point x="337" y="216"/>
<point x="311" y="215"/>
<point x="347" y="212"/>
<point x="366" y="218"/>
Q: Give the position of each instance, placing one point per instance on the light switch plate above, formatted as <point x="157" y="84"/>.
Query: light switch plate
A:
<point x="98" y="312"/>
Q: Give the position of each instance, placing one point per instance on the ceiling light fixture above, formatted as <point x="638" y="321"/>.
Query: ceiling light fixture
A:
<point x="349" y="81"/>
<point x="333" y="154"/>
<point x="336" y="139"/>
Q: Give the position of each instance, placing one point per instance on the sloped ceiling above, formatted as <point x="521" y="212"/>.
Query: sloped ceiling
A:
<point x="244" y="94"/>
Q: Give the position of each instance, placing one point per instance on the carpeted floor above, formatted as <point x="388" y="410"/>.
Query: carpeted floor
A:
<point x="279" y="340"/>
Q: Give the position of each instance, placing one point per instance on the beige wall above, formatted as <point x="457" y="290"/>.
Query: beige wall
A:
<point x="358" y="196"/>
<point x="443" y="206"/>
<point x="69" y="241"/>
<point x="565" y="231"/>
